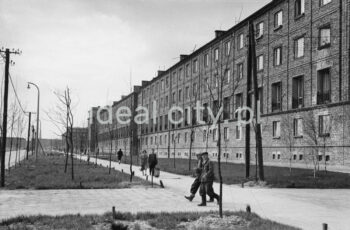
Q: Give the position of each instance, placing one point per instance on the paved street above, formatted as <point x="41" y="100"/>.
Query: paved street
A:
<point x="307" y="209"/>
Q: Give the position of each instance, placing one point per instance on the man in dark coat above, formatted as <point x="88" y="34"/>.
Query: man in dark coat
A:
<point x="197" y="182"/>
<point x="207" y="180"/>
<point x="152" y="162"/>
<point x="120" y="155"/>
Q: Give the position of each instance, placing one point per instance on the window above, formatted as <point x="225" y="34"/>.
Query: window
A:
<point x="226" y="114"/>
<point x="278" y="19"/>
<point x="180" y="95"/>
<point x="188" y="70"/>
<point x="216" y="54"/>
<point x="178" y="137"/>
<point x="324" y="125"/>
<point x="226" y="134"/>
<point x="214" y="134"/>
<point x="260" y="63"/>
<point x="276" y="97"/>
<point x="299" y="8"/>
<point x="206" y="85"/>
<point x="298" y="127"/>
<point x="167" y="82"/>
<point x="277" y="56"/>
<point x="261" y="99"/>
<point x="166" y="101"/>
<point x="241" y="41"/>
<point x="204" y="135"/>
<point x="174" y="97"/>
<point x="195" y="66"/>
<point x="238" y="132"/>
<point x="299" y="45"/>
<point x="301" y="157"/>
<point x="260" y="30"/>
<point x="205" y="113"/>
<point x="215" y="107"/>
<point x="298" y="92"/>
<point x="227" y="76"/>
<point x="240" y="70"/>
<point x="276" y="128"/>
<point x="206" y="60"/>
<point x="323" y="87"/>
<point x="187" y="92"/>
<point x="325" y="2"/>
<point x="228" y="48"/>
<point x="239" y="102"/>
<point x="194" y="89"/>
<point x="186" y="137"/>
<point x="180" y="74"/>
<point x="174" y="77"/>
<point x="324" y="37"/>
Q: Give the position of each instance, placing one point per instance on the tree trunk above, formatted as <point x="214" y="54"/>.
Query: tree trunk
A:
<point x="72" y="152"/>
<point x="219" y="165"/>
<point x="110" y="156"/>
<point x="9" y="162"/>
<point x="190" y="157"/>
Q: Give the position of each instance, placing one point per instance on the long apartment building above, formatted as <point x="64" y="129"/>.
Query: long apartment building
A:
<point x="302" y="61"/>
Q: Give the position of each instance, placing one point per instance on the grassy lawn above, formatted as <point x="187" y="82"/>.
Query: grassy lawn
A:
<point x="168" y="221"/>
<point x="276" y="177"/>
<point x="48" y="173"/>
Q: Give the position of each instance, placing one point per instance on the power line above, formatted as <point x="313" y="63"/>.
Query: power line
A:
<point x="19" y="102"/>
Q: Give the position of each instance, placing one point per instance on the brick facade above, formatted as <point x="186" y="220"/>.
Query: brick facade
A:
<point x="188" y="81"/>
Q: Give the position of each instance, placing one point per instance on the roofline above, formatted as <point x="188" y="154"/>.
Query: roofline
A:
<point x="225" y="34"/>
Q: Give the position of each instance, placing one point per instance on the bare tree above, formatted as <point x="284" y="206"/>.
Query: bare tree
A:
<point x="14" y="117"/>
<point x="62" y="117"/>
<point x="311" y="131"/>
<point x="288" y="137"/>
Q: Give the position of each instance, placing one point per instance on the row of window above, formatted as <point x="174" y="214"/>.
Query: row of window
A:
<point x="299" y="44"/>
<point x="324" y="126"/>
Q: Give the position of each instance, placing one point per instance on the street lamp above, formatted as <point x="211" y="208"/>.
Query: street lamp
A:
<point x="37" y="118"/>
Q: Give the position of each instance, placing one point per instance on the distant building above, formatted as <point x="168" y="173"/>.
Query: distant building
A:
<point x="80" y="139"/>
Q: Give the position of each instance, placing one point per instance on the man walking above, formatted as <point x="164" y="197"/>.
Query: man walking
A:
<point x="197" y="182"/>
<point x="207" y="180"/>
<point x="152" y="162"/>
<point x="120" y="155"/>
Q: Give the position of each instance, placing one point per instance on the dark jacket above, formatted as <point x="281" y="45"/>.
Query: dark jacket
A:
<point x="207" y="171"/>
<point x="120" y="154"/>
<point x="152" y="160"/>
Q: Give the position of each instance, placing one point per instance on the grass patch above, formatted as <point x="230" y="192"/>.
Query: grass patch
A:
<point x="276" y="177"/>
<point x="47" y="172"/>
<point x="159" y="221"/>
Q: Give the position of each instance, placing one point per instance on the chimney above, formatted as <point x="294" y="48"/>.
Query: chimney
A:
<point x="160" y="72"/>
<point x="137" y="88"/>
<point x="183" y="56"/>
<point x="218" y="33"/>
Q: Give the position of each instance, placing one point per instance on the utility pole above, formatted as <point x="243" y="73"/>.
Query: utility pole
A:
<point x="33" y="135"/>
<point x="249" y="105"/>
<point x="258" y="137"/>
<point x="30" y="117"/>
<point x="4" y="120"/>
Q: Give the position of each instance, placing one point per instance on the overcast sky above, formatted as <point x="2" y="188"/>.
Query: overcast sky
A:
<point x="92" y="46"/>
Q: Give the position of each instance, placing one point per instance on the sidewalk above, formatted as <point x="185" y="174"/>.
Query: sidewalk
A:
<point x="305" y="208"/>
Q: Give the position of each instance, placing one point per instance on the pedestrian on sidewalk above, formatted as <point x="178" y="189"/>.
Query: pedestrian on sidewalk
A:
<point x="207" y="180"/>
<point x="152" y="162"/>
<point x="197" y="182"/>
<point x="120" y="155"/>
<point x="143" y="163"/>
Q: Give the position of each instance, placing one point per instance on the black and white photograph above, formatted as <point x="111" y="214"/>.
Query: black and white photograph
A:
<point x="174" y="114"/>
